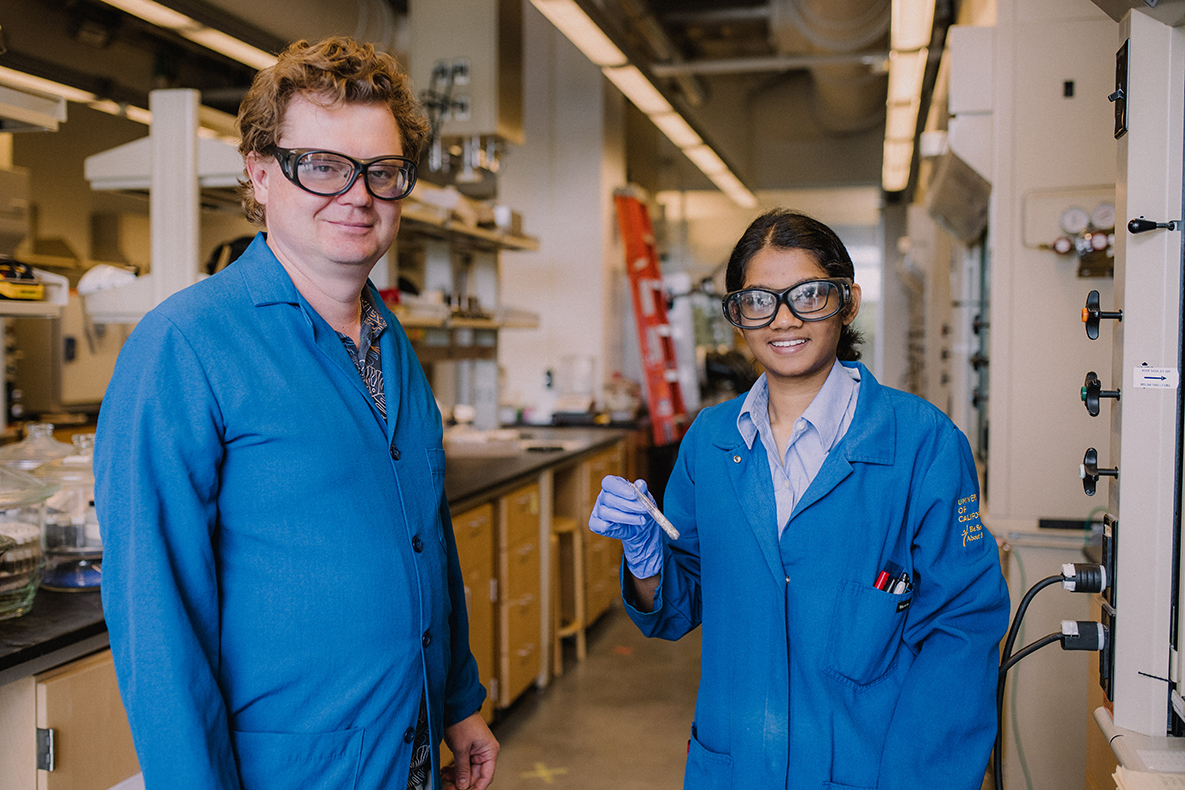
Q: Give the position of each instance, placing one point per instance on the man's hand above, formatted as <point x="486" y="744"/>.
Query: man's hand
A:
<point x="475" y="750"/>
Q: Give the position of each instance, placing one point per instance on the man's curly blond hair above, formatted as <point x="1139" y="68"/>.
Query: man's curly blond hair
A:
<point x="335" y="71"/>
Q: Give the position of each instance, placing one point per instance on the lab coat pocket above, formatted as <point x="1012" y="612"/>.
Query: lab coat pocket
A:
<point x="436" y="464"/>
<point x="865" y="634"/>
<point x="286" y="760"/>
<point x="834" y="786"/>
<point x="706" y="770"/>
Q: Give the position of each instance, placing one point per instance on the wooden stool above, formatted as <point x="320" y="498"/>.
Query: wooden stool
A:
<point x="567" y="552"/>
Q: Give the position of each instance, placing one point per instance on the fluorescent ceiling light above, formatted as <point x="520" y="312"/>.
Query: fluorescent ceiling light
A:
<point x="906" y="72"/>
<point x="902" y="121"/>
<point x="633" y="83"/>
<point x="18" y="79"/>
<point x="897" y="160"/>
<point x="157" y="14"/>
<point x="706" y="159"/>
<point x="731" y="185"/>
<point x="676" y="129"/>
<point x="912" y="24"/>
<point x="571" y="20"/>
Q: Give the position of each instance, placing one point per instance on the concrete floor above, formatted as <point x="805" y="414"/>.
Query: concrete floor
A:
<point x="619" y="720"/>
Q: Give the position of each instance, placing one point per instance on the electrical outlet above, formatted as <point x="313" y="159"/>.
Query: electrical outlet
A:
<point x="460" y="109"/>
<point x="461" y="71"/>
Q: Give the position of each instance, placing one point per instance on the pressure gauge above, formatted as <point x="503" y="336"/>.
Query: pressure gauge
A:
<point x="1098" y="241"/>
<point x="1074" y="220"/>
<point x="1062" y="245"/>
<point x="1103" y="216"/>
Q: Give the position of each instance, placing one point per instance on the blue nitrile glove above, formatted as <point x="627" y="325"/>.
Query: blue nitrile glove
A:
<point x="618" y="513"/>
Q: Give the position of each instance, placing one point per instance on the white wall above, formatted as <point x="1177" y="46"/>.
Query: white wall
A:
<point x="562" y="180"/>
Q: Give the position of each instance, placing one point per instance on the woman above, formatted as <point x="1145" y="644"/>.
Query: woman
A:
<point x="831" y="547"/>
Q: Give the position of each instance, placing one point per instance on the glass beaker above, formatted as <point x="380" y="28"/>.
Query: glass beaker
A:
<point x="71" y="541"/>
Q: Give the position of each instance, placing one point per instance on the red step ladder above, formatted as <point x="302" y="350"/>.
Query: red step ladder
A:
<point x="668" y="415"/>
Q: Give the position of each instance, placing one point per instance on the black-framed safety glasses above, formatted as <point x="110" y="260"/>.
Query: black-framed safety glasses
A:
<point x="328" y="173"/>
<point x="809" y="300"/>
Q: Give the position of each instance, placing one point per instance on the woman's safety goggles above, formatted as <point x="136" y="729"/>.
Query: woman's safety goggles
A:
<point x="809" y="300"/>
<point x="327" y="173"/>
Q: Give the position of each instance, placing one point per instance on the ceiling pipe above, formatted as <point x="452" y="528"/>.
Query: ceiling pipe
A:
<point x="664" y="50"/>
<point x="778" y="63"/>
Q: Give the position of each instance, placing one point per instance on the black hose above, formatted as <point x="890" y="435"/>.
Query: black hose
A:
<point x="997" y="756"/>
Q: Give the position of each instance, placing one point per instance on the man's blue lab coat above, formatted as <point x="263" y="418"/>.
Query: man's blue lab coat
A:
<point x="280" y="574"/>
<point x="811" y="677"/>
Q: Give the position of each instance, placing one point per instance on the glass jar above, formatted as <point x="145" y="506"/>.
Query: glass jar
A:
<point x="71" y="542"/>
<point x="22" y="517"/>
<point x="36" y="448"/>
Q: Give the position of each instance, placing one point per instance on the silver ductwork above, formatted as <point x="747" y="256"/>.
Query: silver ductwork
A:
<point x="849" y="97"/>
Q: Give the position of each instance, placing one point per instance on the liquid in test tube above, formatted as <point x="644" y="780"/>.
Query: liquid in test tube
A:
<point x="656" y="514"/>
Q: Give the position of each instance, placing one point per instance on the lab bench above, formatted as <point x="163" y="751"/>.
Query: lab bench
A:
<point x="534" y="576"/>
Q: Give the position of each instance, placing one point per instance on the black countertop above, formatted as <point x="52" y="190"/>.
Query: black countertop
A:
<point x="59" y="621"/>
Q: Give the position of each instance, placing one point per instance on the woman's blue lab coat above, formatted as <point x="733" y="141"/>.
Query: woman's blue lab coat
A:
<point x="280" y="573"/>
<point x="811" y="677"/>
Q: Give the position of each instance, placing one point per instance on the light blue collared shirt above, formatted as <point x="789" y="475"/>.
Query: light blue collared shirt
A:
<point x="816" y="432"/>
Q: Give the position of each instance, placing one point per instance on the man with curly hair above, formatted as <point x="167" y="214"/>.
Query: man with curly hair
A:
<point x="281" y="582"/>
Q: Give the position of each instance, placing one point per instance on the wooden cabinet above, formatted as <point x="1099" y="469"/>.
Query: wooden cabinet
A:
<point x="602" y="556"/>
<point x="78" y="701"/>
<point x="474" y="530"/>
<point x="519" y="611"/>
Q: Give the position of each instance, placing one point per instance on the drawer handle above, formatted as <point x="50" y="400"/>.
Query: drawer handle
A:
<point x="525" y="549"/>
<point x="526" y="600"/>
<point x="525" y="650"/>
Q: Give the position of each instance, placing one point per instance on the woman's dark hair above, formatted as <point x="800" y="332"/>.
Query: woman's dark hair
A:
<point x="782" y="229"/>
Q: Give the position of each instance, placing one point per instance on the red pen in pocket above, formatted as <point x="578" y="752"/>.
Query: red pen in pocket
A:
<point x="882" y="580"/>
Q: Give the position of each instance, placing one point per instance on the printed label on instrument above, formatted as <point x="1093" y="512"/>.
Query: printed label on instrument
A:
<point x="1155" y="378"/>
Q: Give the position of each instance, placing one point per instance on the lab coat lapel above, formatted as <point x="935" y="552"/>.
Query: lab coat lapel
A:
<point x="269" y="284"/>
<point x="870" y="439"/>
<point x="750" y="476"/>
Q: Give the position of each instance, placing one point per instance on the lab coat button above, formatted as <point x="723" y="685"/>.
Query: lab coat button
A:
<point x="409" y="735"/>
<point x="417" y="544"/>
<point x="736" y="459"/>
<point x="427" y="638"/>
<point x="394" y="452"/>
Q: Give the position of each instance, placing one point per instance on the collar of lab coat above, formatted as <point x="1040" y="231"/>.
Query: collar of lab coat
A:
<point x="871" y="439"/>
<point x="268" y="283"/>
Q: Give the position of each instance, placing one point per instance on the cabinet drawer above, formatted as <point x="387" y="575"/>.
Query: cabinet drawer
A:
<point x="520" y="516"/>
<point x="520" y="657"/>
<point x="522" y="570"/>
<point x="474" y="530"/>
<point x="481" y="609"/>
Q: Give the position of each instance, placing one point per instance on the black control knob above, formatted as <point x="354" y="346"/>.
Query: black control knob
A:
<point x="1091" y="315"/>
<point x="1142" y="225"/>
<point x="1092" y="390"/>
<point x="1090" y="472"/>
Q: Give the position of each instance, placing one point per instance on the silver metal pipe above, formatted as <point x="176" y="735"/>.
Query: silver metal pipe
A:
<point x="780" y="63"/>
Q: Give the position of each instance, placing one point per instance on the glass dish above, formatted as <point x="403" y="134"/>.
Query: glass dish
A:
<point x="22" y="517"/>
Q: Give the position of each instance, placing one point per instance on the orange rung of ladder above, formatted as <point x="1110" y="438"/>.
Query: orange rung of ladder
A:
<point x="668" y="415"/>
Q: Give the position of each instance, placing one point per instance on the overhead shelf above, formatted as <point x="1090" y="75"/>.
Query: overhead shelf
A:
<point x="22" y="111"/>
<point x="432" y="221"/>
